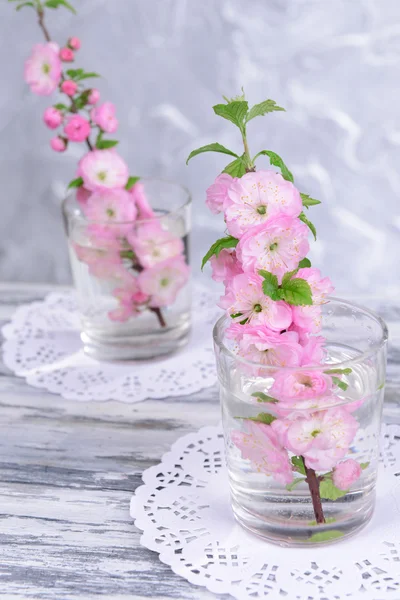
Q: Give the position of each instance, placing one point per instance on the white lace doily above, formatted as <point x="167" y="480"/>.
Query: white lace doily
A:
<point x="184" y="511"/>
<point x="42" y="344"/>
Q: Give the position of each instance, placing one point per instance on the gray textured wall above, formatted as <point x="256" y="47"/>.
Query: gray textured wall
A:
<point x="333" y="64"/>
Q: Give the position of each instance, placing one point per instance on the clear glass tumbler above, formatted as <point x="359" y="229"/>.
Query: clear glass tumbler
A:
<point x="302" y="442"/>
<point x="132" y="277"/>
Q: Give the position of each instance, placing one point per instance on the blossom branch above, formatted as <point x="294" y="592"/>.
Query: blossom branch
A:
<point x="313" y="485"/>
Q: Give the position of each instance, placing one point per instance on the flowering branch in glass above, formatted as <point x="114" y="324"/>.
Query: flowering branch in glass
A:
<point x="124" y="240"/>
<point x="273" y="301"/>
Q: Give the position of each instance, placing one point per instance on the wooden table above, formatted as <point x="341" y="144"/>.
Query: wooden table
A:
<point x="68" y="471"/>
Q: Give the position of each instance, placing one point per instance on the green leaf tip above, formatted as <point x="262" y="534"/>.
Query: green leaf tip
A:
<point x="221" y="244"/>
<point x="325" y="536"/>
<point x="214" y="147"/>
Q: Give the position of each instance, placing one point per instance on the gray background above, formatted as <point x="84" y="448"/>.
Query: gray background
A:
<point x="334" y="65"/>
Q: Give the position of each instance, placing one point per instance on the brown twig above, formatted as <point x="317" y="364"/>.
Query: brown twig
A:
<point x="138" y="267"/>
<point x="313" y="484"/>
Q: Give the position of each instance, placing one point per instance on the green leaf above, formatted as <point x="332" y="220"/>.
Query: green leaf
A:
<point x="338" y="371"/>
<point x="25" y="4"/>
<point x="329" y="491"/>
<point x="236" y="168"/>
<point x="297" y="292"/>
<point x="298" y="464"/>
<point x="310" y="225"/>
<point x="131" y="182"/>
<point x="82" y="100"/>
<point x="305" y="263"/>
<point x="60" y="106"/>
<point x="57" y="3"/>
<point x="261" y="397"/>
<point x="214" y="147"/>
<point x="290" y="486"/>
<point x="75" y="183"/>
<point x="104" y="144"/>
<point x="382" y="385"/>
<point x="308" y="201"/>
<point x="265" y="418"/>
<point x="287" y="276"/>
<point x="276" y="161"/>
<point x="127" y="254"/>
<point x="226" y="242"/>
<point x="270" y="285"/>
<point x="235" y="112"/>
<point x="341" y="384"/>
<point x="324" y="536"/>
<point x="87" y="76"/>
<point x="263" y="108"/>
<point x="364" y="465"/>
<point x="72" y="73"/>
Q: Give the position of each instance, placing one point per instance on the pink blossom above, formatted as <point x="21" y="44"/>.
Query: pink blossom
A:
<point x="142" y="204"/>
<point x="153" y="245"/>
<point x="225" y="265"/>
<point x="127" y="306"/>
<point x="77" y="128"/>
<point x="346" y="473"/>
<point x="43" y="69"/>
<point x="112" y="210"/>
<point x="93" y="255"/>
<point x="304" y="408"/>
<point x="261" y="446"/>
<point x="256" y="197"/>
<point x="163" y="281"/>
<point x="217" y="193"/>
<point x="322" y="439"/>
<point x="313" y="350"/>
<point x="82" y="195"/>
<point x="74" y="43"/>
<point x="246" y="299"/>
<point x="94" y="96"/>
<point x="101" y="169"/>
<point x="104" y="117"/>
<point x="276" y="246"/>
<point x="310" y="317"/>
<point x="300" y="385"/>
<point x="69" y="87"/>
<point x="108" y="266"/>
<point x="66" y="55"/>
<point x="58" y="144"/>
<point x="52" y="117"/>
<point x="260" y="345"/>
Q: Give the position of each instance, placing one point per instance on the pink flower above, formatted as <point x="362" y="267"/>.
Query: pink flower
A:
<point x="94" y="96"/>
<point x="322" y="439"/>
<point x="261" y="446"/>
<point x="260" y="345"/>
<point x="58" y="144"/>
<point x="77" y="128"/>
<point x="225" y="265"/>
<point x="309" y="318"/>
<point x="217" y="193"/>
<point x="163" y="281"/>
<point x="104" y="117"/>
<point x="300" y="385"/>
<point x="112" y="210"/>
<point x="142" y="204"/>
<point x="276" y="246"/>
<point x="313" y="350"/>
<point x="153" y="245"/>
<point x="69" y="87"/>
<point x="66" y="55"/>
<point x="245" y="298"/>
<point x="256" y="197"/>
<point x="52" y="117"/>
<point x="346" y="473"/>
<point x="108" y="266"/>
<point x="126" y="297"/>
<point x="82" y="195"/>
<point x="43" y="69"/>
<point x="101" y="169"/>
<point x="74" y="43"/>
<point x="93" y="256"/>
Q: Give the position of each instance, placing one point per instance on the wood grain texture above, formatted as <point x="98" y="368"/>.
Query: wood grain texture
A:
<point x="67" y="474"/>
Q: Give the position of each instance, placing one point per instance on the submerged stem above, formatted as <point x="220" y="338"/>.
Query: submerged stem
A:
<point x="313" y="485"/>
